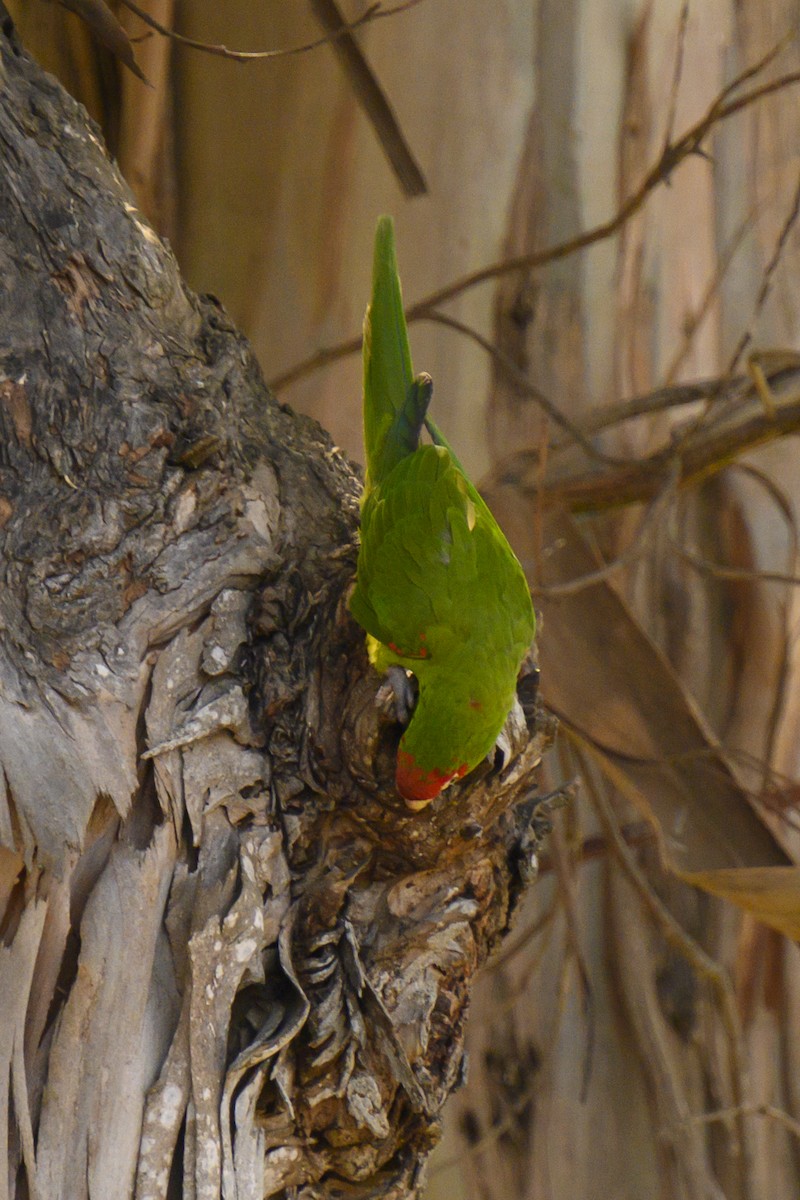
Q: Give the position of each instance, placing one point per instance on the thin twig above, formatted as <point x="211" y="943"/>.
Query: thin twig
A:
<point x="520" y="985"/>
<point x="755" y="574"/>
<point x="779" y="794"/>
<point x="637" y="547"/>
<point x="781" y="690"/>
<point x="592" y="848"/>
<point x="568" y="881"/>
<point x="677" y="73"/>
<point x="759" y="65"/>
<point x="767" y="280"/>
<point x="705" y="566"/>
<point x="695" y="319"/>
<point x="513" y="946"/>
<point x="321" y="358"/>
<point x="373" y="13"/>
<point x="521" y="381"/>
<point x="748" y="1110"/>
<point x="663" y="399"/>
<point x="701" y="420"/>
<point x="788" y="577"/>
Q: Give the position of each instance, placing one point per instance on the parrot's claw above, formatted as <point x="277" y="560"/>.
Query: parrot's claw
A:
<point x="501" y="754"/>
<point x="398" y="695"/>
<point x="509" y="740"/>
<point x="528" y="690"/>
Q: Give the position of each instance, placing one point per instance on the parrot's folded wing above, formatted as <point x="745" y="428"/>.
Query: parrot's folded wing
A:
<point x="395" y="403"/>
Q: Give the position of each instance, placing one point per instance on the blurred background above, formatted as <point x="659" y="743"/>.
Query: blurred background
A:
<point x="628" y="403"/>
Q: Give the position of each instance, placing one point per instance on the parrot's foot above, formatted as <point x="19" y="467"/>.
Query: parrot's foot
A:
<point x="528" y="688"/>
<point x="502" y="751"/>
<point x="509" y="740"/>
<point x="398" y="693"/>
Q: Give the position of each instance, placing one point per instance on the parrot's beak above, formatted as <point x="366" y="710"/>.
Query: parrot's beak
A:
<point x="417" y="805"/>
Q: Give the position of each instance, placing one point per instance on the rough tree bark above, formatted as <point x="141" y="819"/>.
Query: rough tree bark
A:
<point x="232" y="964"/>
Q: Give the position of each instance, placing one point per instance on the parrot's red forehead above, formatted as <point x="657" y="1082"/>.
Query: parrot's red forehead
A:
<point x="419" y="787"/>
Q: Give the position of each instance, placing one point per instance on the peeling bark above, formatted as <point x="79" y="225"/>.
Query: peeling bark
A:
<point x="233" y="964"/>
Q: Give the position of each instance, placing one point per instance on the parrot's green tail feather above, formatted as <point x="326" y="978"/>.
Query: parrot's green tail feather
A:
<point x="395" y="403"/>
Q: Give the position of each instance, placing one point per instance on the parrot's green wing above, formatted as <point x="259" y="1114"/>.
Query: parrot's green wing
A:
<point x="406" y="577"/>
<point x="435" y="571"/>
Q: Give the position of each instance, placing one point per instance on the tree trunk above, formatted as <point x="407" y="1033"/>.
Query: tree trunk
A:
<point x="233" y="964"/>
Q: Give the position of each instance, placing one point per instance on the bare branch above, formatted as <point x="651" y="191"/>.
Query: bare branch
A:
<point x="108" y="31"/>
<point x="371" y="96"/>
<point x="339" y="35"/>
<point x="759" y="65"/>
<point x="706" y="566"/>
<point x="694" y="320"/>
<point x="663" y="399"/>
<point x="725" y="105"/>
<point x="373" y="13"/>
<point x="498" y="1130"/>
<point x="671" y="156"/>
<point x="769" y="273"/>
<point x="636" y="549"/>
<point x="677" y="72"/>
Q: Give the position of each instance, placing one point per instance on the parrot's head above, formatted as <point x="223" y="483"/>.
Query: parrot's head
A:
<point x="419" y="786"/>
<point x="450" y="732"/>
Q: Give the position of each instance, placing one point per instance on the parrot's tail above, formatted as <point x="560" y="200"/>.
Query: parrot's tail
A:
<point x="395" y="403"/>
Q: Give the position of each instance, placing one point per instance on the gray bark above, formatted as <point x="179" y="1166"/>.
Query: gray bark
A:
<point x="232" y="963"/>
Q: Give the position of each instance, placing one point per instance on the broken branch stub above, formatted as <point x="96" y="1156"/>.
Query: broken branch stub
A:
<point x="233" y="962"/>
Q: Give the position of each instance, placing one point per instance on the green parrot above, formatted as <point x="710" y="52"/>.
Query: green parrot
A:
<point x="438" y="589"/>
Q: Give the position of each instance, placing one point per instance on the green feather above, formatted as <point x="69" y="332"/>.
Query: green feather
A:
<point x="394" y="402"/>
<point x="438" y="589"/>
